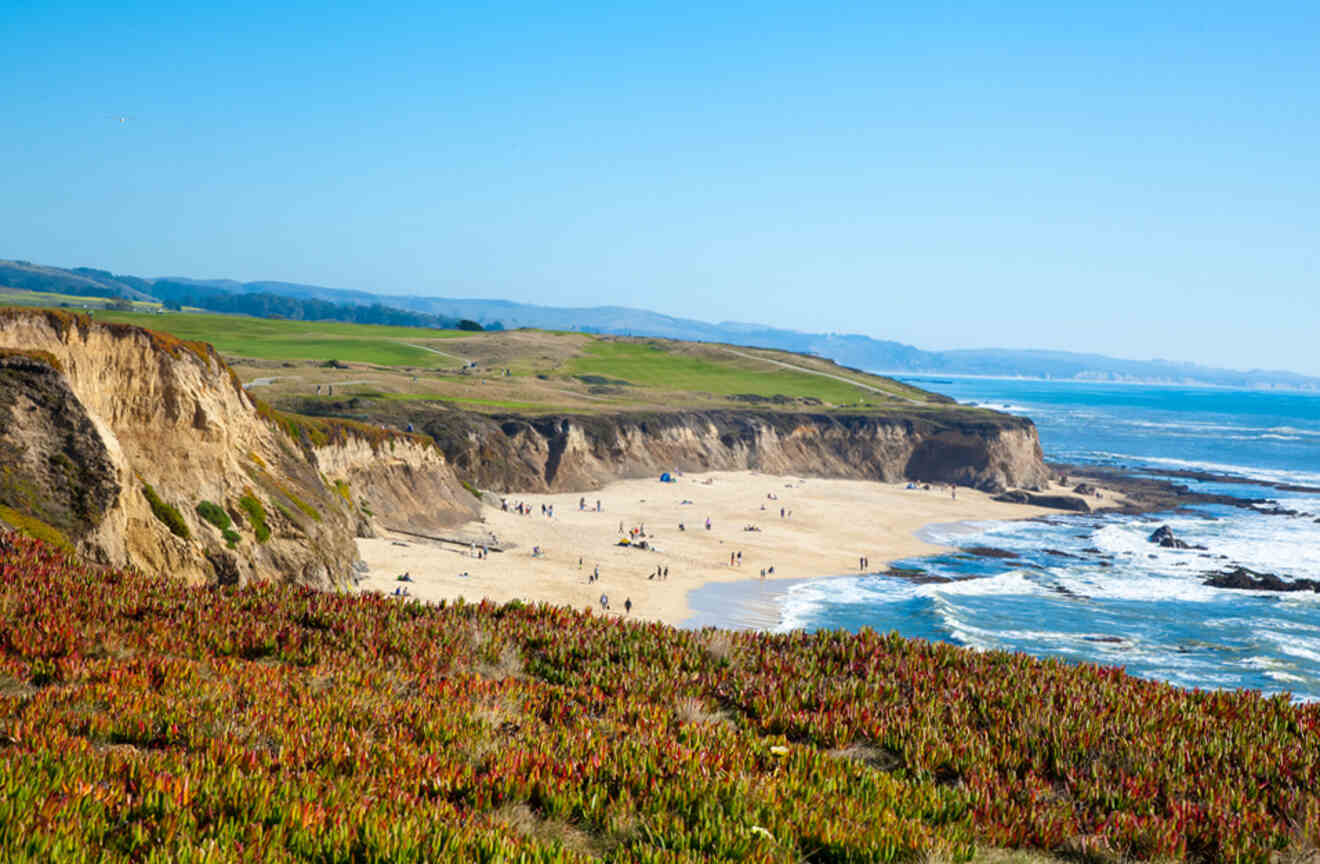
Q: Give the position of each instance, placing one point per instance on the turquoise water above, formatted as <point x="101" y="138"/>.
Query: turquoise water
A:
<point x="1091" y="588"/>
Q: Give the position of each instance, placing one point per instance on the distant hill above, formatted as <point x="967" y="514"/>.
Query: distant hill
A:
<point x="262" y="299"/>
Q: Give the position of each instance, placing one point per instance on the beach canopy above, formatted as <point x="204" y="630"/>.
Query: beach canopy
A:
<point x="665" y="478"/>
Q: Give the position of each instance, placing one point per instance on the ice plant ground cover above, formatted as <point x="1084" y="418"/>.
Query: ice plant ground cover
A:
<point x="141" y="719"/>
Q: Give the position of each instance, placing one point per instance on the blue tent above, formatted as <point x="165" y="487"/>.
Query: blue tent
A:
<point x="665" y="478"/>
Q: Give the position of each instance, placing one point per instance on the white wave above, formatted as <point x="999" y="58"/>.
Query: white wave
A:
<point x="1296" y="646"/>
<point x="1011" y="582"/>
<point x="1269" y="475"/>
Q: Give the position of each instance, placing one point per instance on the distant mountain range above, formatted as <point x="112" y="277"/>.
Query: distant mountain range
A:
<point x="863" y="352"/>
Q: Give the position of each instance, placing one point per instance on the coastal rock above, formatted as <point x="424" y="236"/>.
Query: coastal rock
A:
<point x="1086" y="489"/>
<point x="1164" y="537"/>
<point x="1056" y="502"/>
<point x="990" y="552"/>
<point x="1241" y="578"/>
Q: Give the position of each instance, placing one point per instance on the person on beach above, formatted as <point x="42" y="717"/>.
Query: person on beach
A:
<point x="666" y="576"/>
<point x="604" y="602"/>
<point x="707" y="523"/>
<point x="627" y="606"/>
<point x="740" y="558"/>
<point x="597" y="505"/>
<point x="595" y="573"/>
<point x="953" y="491"/>
<point x="730" y="559"/>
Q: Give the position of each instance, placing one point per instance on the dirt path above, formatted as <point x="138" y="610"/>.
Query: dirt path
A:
<point x="822" y="374"/>
<point x="438" y="351"/>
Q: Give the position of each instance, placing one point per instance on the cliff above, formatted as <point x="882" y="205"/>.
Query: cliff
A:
<point x="138" y="449"/>
<point x="571" y="453"/>
<point x="404" y="484"/>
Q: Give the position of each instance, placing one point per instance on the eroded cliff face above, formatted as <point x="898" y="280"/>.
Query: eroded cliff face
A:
<point x="401" y="484"/>
<point x="134" y="409"/>
<point x="573" y="453"/>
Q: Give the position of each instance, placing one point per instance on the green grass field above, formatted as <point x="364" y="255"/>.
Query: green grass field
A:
<point x="273" y="339"/>
<point x="650" y="365"/>
<point x="547" y="368"/>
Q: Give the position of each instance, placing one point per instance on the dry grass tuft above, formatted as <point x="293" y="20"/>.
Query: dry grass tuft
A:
<point x="508" y="665"/>
<point x="692" y="710"/>
<point x="718" y="644"/>
<point x="522" y="820"/>
<point x="877" y="757"/>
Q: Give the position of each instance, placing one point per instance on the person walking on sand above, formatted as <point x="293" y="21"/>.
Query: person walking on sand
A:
<point x="666" y="576"/>
<point x="627" y="606"/>
<point x="707" y="523"/>
<point x="595" y="573"/>
<point x="740" y="558"/>
<point x="953" y="491"/>
<point x="604" y="602"/>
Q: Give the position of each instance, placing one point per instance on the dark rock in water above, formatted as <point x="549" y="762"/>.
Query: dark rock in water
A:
<point x="990" y="552"/>
<point x="1056" y="502"/>
<point x="1112" y="640"/>
<point x="1093" y="550"/>
<point x="1272" y="508"/>
<point x="1249" y="580"/>
<point x="1104" y="564"/>
<point x="916" y="576"/>
<point x="1060" y="553"/>
<point x="1164" y="537"/>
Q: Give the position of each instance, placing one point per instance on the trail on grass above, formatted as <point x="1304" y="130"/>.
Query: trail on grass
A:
<point x="882" y="392"/>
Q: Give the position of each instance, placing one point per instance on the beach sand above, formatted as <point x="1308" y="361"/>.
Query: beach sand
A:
<point x="832" y="524"/>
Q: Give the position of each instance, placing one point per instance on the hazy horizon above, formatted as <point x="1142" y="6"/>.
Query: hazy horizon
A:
<point x="1107" y="179"/>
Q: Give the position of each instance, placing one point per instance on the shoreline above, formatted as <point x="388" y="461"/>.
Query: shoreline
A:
<point x="826" y="527"/>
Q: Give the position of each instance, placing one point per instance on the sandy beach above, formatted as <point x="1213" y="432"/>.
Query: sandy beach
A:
<point x="826" y="527"/>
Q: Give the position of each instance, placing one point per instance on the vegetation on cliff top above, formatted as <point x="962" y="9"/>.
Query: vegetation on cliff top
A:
<point x="144" y="719"/>
<point x="526" y="372"/>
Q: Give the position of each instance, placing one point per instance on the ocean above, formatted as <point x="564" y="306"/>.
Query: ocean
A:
<point x="1092" y="588"/>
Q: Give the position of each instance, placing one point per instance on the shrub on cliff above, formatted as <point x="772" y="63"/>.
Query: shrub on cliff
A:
<point x="166" y="513"/>
<point x="216" y="515"/>
<point x="256" y="515"/>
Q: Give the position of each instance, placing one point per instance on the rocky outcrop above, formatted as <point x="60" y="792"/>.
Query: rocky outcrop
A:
<point x="1054" y="502"/>
<point x="1249" y="580"/>
<point x="577" y="453"/>
<point x="54" y="466"/>
<point x="1163" y="536"/>
<point x="114" y="435"/>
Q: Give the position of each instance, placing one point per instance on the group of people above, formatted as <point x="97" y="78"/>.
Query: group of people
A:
<point x="582" y="504"/>
<point x="605" y="604"/>
<point x="522" y="509"/>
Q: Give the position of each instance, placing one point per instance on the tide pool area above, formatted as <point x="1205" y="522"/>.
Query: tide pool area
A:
<point x="1092" y="588"/>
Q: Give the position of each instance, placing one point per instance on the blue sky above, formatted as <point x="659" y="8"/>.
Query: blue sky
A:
<point x="1113" y="178"/>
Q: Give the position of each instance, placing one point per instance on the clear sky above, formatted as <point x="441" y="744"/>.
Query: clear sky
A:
<point x="1129" y="178"/>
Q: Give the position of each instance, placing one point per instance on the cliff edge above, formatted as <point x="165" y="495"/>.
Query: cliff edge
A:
<point x="571" y="453"/>
<point x="135" y="448"/>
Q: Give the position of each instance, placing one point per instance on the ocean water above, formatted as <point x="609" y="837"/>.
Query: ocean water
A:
<point x="1092" y="588"/>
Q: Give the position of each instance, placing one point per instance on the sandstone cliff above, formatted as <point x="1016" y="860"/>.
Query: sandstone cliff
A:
<point x="988" y="451"/>
<point x="112" y="436"/>
<point x="403" y="483"/>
